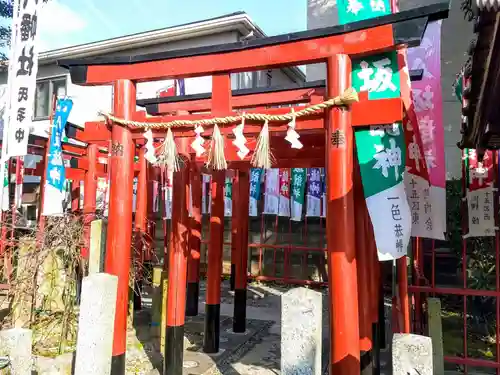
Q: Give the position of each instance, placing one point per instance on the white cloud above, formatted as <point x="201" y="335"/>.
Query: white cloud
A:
<point x="57" y="18"/>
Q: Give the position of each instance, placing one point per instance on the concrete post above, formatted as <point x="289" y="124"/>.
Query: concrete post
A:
<point x="96" y="325"/>
<point x="16" y="344"/>
<point x="301" y="332"/>
<point x="436" y="334"/>
<point x="411" y="354"/>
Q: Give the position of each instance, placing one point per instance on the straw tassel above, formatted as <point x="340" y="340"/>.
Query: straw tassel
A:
<point x="216" y="157"/>
<point x="168" y="153"/>
<point x="262" y="156"/>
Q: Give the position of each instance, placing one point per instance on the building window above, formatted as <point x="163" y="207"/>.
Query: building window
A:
<point x="45" y="90"/>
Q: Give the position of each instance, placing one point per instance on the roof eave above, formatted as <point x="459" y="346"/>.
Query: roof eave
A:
<point x="240" y="22"/>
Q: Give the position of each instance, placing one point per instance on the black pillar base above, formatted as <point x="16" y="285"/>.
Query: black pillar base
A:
<point x="118" y="364"/>
<point x="192" y="294"/>
<point x="365" y="360"/>
<point x="240" y="311"/>
<point x="174" y="350"/>
<point x="212" y="328"/>
<point x="381" y="321"/>
<point x="376" y="349"/>
<point x="232" y="276"/>
<point x="137" y="295"/>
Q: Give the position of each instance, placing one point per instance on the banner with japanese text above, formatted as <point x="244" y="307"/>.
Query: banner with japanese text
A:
<point x="271" y="192"/>
<point x="381" y="150"/>
<point x="56" y="174"/>
<point x="299" y="176"/>
<point x="22" y="75"/>
<point x="134" y="193"/>
<point x="255" y="177"/>
<point x="381" y="154"/>
<point x="358" y="10"/>
<point x="18" y="191"/>
<point x="417" y="184"/>
<point x="323" y="195"/>
<point x="284" y="200"/>
<point x="428" y="106"/>
<point x="480" y="194"/>
<point x="205" y="193"/>
<point x="228" y="196"/>
<point x="314" y="192"/>
<point x="169" y="175"/>
<point x="5" y="195"/>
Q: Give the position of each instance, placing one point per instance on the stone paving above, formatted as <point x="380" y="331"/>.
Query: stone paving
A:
<point x="255" y="352"/>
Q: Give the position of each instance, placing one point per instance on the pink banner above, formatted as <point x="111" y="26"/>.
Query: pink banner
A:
<point x="428" y="101"/>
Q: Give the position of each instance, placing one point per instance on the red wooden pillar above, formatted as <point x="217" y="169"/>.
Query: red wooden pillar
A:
<point x="362" y="264"/>
<point x="193" y="281"/>
<point x="89" y="195"/>
<point x="402" y="268"/>
<point x="43" y="180"/>
<point x="75" y="196"/>
<point x="120" y="214"/>
<point x="235" y="233"/>
<point x="177" y="269"/>
<point x="214" y="266"/>
<point x="241" y="251"/>
<point x="342" y="280"/>
<point x="141" y="211"/>
<point x="221" y="103"/>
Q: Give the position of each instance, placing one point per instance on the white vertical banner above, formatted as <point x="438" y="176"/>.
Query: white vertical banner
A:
<point x="206" y="198"/>
<point x="5" y="188"/>
<point x="22" y="73"/>
<point x="169" y="175"/>
<point x="481" y="212"/>
<point x="323" y="195"/>
<point x="228" y="194"/>
<point x="156" y="200"/>
<point x="134" y="196"/>
<point x="271" y="192"/>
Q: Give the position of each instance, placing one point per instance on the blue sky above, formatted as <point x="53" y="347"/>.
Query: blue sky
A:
<point x="69" y="22"/>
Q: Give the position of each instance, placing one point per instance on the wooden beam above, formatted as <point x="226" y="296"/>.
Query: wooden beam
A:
<point x="301" y="95"/>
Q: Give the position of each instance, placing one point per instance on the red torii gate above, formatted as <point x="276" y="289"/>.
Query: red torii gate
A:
<point x="336" y="46"/>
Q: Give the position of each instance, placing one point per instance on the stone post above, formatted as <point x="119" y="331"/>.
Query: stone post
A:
<point x="96" y="325"/>
<point x="98" y="230"/>
<point x="158" y="306"/>
<point x="436" y="333"/>
<point x="22" y="302"/>
<point x="411" y="354"/>
<point x="301" y="332"/>
<point x="16" y="344"/>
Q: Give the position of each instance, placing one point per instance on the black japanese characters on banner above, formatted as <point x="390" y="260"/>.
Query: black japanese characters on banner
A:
<point x="22" y="76"/>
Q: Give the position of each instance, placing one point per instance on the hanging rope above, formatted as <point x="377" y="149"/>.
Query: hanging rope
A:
<point x="347" y="98"/>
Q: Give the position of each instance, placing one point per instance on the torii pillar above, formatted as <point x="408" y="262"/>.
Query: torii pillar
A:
<point x="342" y="280"/>
<point x="120" y="214"/>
